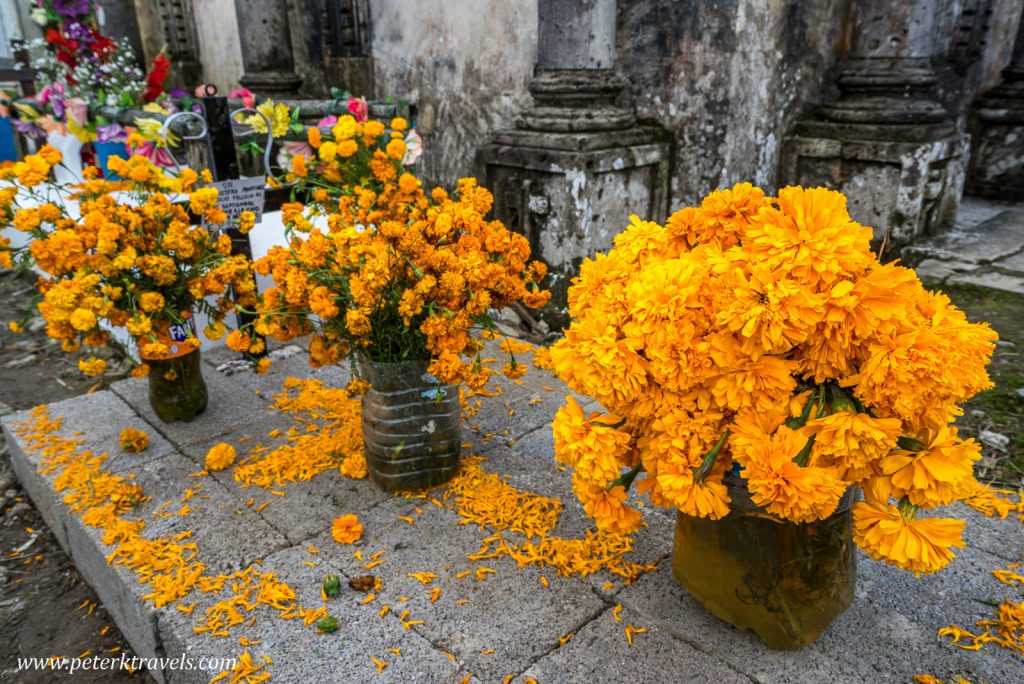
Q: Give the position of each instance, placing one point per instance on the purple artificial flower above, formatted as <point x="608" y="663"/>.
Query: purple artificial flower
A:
<point x="28" y="129"/>
<point x="71" y="8"/>
<point x="178" y="92"/>
<point x="111" y="133"/>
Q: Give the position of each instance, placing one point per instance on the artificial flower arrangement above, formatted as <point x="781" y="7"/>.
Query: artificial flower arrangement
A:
<point x="398" y="275"/>
<point x="761" y="337"/>
<point x="130" y="256"/>
<point x="290" y="135"/>
<point x="80" y="71"/>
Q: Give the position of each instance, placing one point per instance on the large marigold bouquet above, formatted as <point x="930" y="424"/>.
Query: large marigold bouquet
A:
<point x="129" y="254"/>
<point x="390" y="273"/>
<point x="762" y="336"/>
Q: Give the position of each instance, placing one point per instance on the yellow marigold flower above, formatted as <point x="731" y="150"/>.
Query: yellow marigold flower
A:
<point x="938" y="474"/>
<point x="83" y="320"/>
<point x="51" y="155"/>
<point x="151" y="302"/>
<point x="139" y="325"/>
<point x="32" y="171"/>
<point x="215" y="330"/>
<point x="853" y="442"/>
<point x="155" y="350"/>
<point x="220" y="456"/>
<point x="203" y="199"/>
<point x="246" y="221"/>
<point x="346" y="148"/>
<point x="15" y="327"/>
<point x="262" y="366"/>
<point x="92" y="366"/>
<point x="299" y="166"/>
<point x="239" y="341"/>
<point x="396" y="149"/>
<point x="140" y="371"/>
<point x="607" y="506"/>
<point x="313" y="135"/>
<point x="781" y="486"/>
<point x="918" y="545"/>
<point x="399" y="124"/>
<point x="133" y="440"/>
<point x="346" y="529"/>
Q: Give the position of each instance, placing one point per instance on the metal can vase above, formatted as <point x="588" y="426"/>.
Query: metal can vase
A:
<point x="412" y="426"/>
<point x="785" y="581"/>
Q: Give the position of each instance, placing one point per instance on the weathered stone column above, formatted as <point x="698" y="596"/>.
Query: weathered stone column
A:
<point x="996" y="169"/>
<point x="267" y="61"/>
<point x="886" y="142"/>
<point x="576" y="166"/>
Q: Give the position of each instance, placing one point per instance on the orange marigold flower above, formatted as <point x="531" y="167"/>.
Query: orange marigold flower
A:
<point x="220" y="456"/>
<point x="920" y="545"/>
<point x="346" y="529"/>
<point x="133" y="440"/>
<point x="92" y="366"/>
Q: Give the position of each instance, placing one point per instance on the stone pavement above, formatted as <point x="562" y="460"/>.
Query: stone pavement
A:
<point x="505" y="624"/>
<point x="985" y="248"/>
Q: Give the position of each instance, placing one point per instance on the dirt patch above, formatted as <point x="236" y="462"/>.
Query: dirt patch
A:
<point x="46" y="608"/>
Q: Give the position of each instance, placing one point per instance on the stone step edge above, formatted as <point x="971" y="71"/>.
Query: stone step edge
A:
<point x="136" y="619"/>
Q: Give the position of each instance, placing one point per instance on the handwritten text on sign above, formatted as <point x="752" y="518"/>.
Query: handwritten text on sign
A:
<point x="242" y="194"/>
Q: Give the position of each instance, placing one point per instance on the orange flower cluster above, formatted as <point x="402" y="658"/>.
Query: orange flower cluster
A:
<point x="761" y="337"/>
<point x="128" y="257"/>
<point x="397" y="275"/>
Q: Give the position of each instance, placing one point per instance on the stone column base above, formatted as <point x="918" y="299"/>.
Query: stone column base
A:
<point x="571" y="193"/>
<point x="996" y="168"/>
<point x="908" y="188"/>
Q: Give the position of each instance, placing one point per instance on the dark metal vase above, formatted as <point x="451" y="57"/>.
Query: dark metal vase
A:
<point x="412" y="426"/>
<point x="785" y="581"/>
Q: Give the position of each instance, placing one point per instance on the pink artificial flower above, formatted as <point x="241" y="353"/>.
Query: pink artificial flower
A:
<point x="358" y="108"/>
<point x="248" y="99"/>
<point x="77" y="110"/>
<point x="156" y="155"/>
<point x="413" y="147"/>
<point x="327" y="121"/>
<point x="290" y="148"/>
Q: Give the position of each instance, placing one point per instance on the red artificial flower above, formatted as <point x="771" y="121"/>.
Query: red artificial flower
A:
<point x="158" y="71"/>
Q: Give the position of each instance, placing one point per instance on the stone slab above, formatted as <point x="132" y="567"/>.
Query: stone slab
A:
<point x="1012" y="265"/>
<point x="990" y="279"/>
<point x="436" y="543"/>
<point x="875" y="636"/>
<point x="1000" y="537"/>
<point x="232" y="409"/>
<point x="287" y="361"/>
<point x="935" y="271"/>
<point x="96" y="420"/>
<point x="655" y="657"/>
<point x="996" y="237"/>
<point x="299" y="653"/>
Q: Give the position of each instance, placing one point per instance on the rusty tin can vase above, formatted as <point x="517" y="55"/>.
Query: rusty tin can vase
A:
<point x="412" y="426"/>
<point x="785" y="581"/>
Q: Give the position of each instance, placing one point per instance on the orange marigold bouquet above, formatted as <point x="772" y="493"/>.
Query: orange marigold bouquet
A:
<point x="128" y="255"/>
<point x="762" y="336"/>
<point x="390" y="273"/>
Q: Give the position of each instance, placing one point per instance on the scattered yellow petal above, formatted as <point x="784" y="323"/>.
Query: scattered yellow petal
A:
<point x="562" y="641"/>
<point x="423" y="577"/>
<point x="435" y="594"/>
<point x="406" y="519"/>
<point x="368" y="599"/>
<point x="544" y="581"/>
<point x="616" y="611"/>
<point x="379" y="663"/>
<point x="384" y="610"/>
<point x="631" y="630"/>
